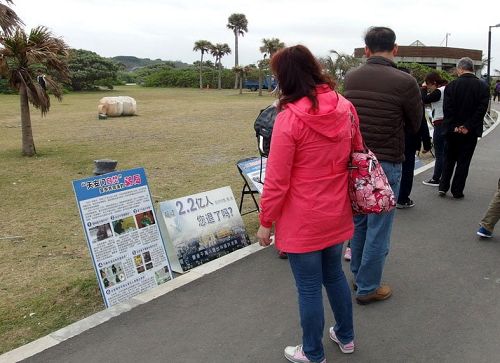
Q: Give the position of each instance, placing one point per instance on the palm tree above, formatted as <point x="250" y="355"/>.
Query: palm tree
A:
<point x="8" y="18"/>
<point x="219" y="50"/>
<point x="339" y="66"/>
<point x="20" y="55"/>
<point x="203" y="46"/>
<point x="238" y="23"/>
<point x="269" y="47"/>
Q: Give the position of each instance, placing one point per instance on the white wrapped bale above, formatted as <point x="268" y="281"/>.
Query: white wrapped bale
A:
<point x="117" y="106"/>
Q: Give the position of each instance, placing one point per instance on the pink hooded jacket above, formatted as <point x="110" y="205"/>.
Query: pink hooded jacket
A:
<point x="305" y="189"/>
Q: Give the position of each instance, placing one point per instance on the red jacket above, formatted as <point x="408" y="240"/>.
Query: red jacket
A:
<point x="305" y="189"/>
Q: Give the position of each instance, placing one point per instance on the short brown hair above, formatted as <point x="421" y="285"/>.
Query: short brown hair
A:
<point x="298" y="73"/>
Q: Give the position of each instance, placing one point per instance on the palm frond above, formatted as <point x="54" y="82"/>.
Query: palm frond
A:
<point x="9" y="19"/>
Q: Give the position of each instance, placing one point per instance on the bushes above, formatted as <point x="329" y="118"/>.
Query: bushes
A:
<point x="188" y="78"/>
<point x="419" y="71"/>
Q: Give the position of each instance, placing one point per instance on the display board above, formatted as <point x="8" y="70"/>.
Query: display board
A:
<point x="202" y="227"/>
<point x="122" y="233"/>
<point x="251" y="170"/>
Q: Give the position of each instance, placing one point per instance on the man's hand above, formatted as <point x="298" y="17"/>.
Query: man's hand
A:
<point x="264" y="236"/>
<point x="461" y="130"/>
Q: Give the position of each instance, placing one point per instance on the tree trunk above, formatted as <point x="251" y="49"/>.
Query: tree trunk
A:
<point x="236" y="78"/>
<point x="241" y="84"/>
<point x="220" y="76"/>
<point x="27" y="132"/>
<point x="201" y="69"/>
<point x="269" y="83"/>
<point x="260" y="82"/>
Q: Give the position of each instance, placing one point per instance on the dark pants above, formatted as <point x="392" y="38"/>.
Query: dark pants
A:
<point x="458" y="153"/>
<point x="439" y="141"/>
<point x="407" y="169"/>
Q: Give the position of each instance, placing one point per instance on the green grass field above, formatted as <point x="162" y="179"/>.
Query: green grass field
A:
<point x="187" y="140"/>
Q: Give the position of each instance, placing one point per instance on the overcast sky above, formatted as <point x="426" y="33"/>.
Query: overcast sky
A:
<point x="167" y="29"/>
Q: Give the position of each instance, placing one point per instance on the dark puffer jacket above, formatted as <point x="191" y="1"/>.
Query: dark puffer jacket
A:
<point x="388" y="102"/>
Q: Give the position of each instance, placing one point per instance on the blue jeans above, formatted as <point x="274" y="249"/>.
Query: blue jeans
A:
<point x="370" y="243"/>
<point x="311" y="270"/>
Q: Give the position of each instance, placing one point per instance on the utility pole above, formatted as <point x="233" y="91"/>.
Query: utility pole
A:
<point x="446" y="44"/>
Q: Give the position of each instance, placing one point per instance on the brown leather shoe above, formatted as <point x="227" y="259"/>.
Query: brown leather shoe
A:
<point x="382" y="293"/>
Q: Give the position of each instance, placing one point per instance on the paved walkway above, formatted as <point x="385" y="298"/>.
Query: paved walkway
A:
<point x="445" y="307"/>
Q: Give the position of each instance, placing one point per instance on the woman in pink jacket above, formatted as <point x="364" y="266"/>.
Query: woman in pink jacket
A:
<point x="305" y="195"/>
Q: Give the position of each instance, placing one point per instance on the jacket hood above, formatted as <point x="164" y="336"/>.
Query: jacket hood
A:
<point x="331" y="115"/>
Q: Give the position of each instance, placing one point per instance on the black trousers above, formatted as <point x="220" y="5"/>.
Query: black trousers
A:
<point x="458" y="153"/>
<point x="407" y="169"/>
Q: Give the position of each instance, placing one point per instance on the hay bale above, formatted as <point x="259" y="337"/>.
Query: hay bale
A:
<point x="117" y="106"/>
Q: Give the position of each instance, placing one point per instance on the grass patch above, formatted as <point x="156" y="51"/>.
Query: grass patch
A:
<point x="187" y="140"/>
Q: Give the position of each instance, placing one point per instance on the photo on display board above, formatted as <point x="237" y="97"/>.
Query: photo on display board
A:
<point x="100" y="233"/>
<point x="112" y="275"/>
<point x="145" y="219"/>
<point x="124" y="225"/>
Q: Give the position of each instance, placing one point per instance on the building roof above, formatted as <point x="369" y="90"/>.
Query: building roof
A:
<point x="431" y="52"/>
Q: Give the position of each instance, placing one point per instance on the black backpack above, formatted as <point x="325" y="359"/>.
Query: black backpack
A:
<point x="264" y="129"/>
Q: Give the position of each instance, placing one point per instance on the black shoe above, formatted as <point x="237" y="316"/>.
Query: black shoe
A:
<point x="442" y="193"/>
<point x="431" y="182"/>
<point x="408" y="204"/>
<point x="458" y="196"/>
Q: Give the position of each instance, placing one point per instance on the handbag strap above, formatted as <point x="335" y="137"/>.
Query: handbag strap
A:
<point x="353" y="125"/>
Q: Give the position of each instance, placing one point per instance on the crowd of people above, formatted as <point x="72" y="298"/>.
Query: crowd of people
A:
<point x="305" y="195"/>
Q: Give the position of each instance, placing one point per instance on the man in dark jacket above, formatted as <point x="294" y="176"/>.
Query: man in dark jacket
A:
<point x="388" y="103"/>
<point x="464" y="106"/>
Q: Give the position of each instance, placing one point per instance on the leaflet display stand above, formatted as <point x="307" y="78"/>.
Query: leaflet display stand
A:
<point x="252" y="170"/>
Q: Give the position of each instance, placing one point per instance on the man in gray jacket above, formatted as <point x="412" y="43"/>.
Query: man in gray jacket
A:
<point x="388" y="103"/>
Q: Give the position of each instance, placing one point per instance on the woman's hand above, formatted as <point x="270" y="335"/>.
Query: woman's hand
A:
<point x="264" y="236"/>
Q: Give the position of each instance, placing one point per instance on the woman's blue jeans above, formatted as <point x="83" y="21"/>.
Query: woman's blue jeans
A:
<point x="371" y="240"/>
<point x="312" y="270"/>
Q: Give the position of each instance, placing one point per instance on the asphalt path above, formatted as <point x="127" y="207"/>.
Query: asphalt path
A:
<point x="445" y="306"/>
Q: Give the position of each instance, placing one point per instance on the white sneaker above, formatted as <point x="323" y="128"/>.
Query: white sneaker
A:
<point x="345" y="348"/>
<point x="296" y="355"/>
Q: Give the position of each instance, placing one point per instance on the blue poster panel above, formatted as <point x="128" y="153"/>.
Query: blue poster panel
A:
<point x="203" y="227"/>
<point x="122" y="233"/>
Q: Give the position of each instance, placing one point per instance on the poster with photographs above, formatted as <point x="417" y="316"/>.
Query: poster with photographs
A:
<point x="254" y="171"/>
<point x="202" y="227"/>
<point x="122" y="233"/>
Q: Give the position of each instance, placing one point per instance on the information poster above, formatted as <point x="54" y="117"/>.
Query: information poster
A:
<point x="122" y="234"/>
<point x="251" y="170"/>
<point x="203" y="227"/>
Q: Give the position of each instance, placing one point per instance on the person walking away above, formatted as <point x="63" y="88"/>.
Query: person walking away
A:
<point x="491" y="217"/>
<point x="436" y="86"/>
<point x="306" y="196"/>
<point x="388" y="102"/>
<point x="465" y="103"/>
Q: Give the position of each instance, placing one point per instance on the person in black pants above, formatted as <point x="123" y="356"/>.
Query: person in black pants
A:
<point x="413" y="143"/>
<point x="465" y="103"/>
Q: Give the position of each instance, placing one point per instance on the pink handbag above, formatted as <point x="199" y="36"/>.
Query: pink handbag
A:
<point x="369" y="189"/>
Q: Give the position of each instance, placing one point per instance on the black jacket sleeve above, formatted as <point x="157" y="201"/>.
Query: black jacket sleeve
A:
<point x="434" y="96"/>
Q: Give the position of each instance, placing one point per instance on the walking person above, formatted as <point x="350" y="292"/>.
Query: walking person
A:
<point x="496" y="91"/>
<point x="465" y="103"/>
<point x="388" y="102"/>
<point x="306" y="196"/>
<point x="491" y="217"/>
<point x="435" y="86"/>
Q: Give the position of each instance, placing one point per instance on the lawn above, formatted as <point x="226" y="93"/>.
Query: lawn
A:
<point x="187" y="140"/>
